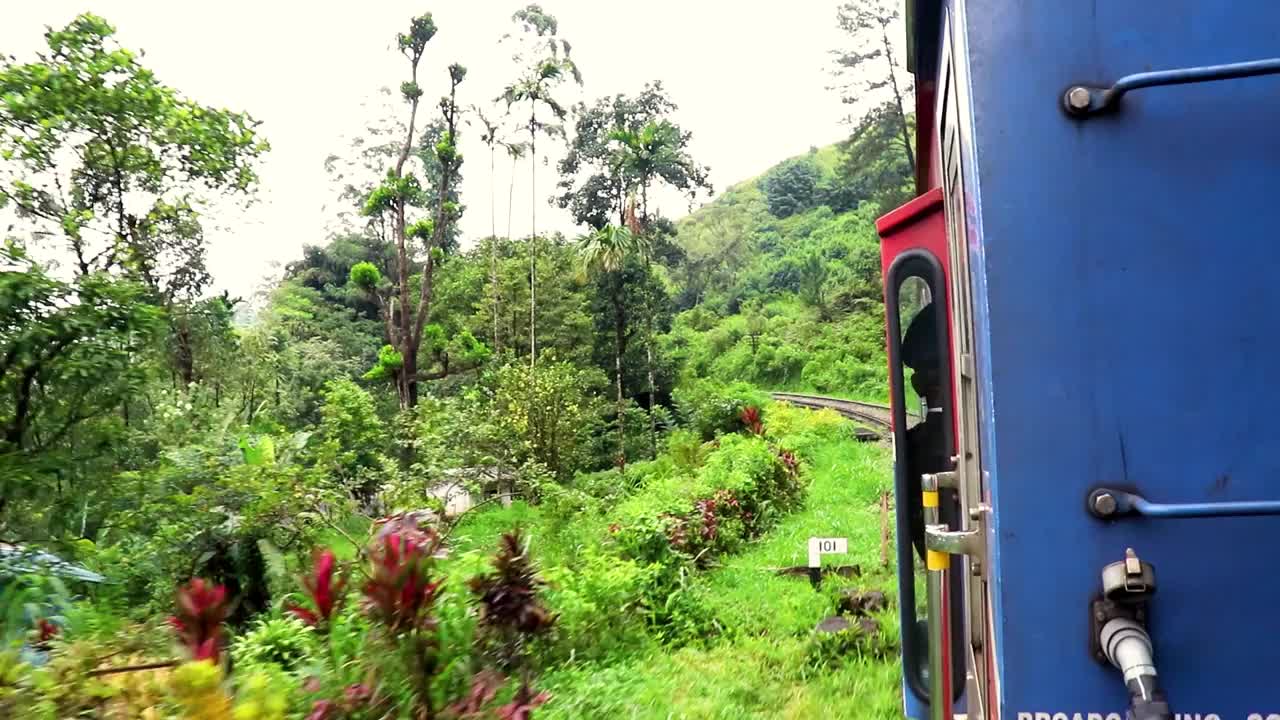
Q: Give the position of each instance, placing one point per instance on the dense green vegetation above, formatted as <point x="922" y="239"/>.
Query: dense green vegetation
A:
<point x="435" y="476"/>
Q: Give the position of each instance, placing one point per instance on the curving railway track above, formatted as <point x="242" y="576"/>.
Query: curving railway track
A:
<point x="877" y="416"/>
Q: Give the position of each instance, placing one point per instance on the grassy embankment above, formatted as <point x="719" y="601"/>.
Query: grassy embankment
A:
<point x="762" y="661"/>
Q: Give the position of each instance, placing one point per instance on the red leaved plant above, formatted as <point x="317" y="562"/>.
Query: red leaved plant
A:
<point x="750" y="416"/>
<point x="522" y="705"/>
<point x="475" y="705"/>
<point x="401" y="595"/>
<point x="324" y="586"/>
<point x="45" y="632"/>
<point x="509" y="597"/>
<point x="202" y="608"/>
<point x="400" y="592"/>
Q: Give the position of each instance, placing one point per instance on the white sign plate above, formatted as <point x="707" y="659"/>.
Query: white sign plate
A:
<point x="825" y="546"/>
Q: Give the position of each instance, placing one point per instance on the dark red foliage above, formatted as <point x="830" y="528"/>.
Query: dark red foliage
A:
<point x="789" y="460"/>
<point x="400" y="592"/>
<point x="709" y="524"/>
<point x="356" y="695"/>
<point x="751" y="419"/>
<point x="355" y="698"/>
<point x="509" y="597"/>
<point x="325" y="587"/>
<point x="677" y="531"/>
<point x="522" y="705"/>
<point x="202" y="608"/>
<point x="323" y="710"/>
<point x="45" y="632"/>
<point x="484" y="688"/>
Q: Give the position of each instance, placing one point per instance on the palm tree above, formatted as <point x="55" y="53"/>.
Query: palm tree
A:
<point x="643" y="156"/>
<point x="492" y="140"/>
<point x="606" y="251"/>
<point x="546" y="70"/>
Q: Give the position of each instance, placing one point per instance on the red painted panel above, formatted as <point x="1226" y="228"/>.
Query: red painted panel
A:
<point x="920" y="224"/>
<point x="927" y="175"/>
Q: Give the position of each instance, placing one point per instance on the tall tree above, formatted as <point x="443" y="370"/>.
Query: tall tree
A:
<point x="108" y="170"/>
<point x="869" y="65"/>
<point x="405" y="317"/>
<point x="597" y="176"/>
<point x="622" y="147"/>
<point x="491" y="138"/>
<point x="871" y="166"/>
<point x="657" y="153"/>
<point x="102" y="155"/>
<point x="605" y="251"/>
<point x="545" y="65"/>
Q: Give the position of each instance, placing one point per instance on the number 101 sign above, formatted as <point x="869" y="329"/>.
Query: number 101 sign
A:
<point x="825" y="546"/>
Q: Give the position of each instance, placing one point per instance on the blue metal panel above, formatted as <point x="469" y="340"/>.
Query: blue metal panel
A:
<point x="1124" y="274"/>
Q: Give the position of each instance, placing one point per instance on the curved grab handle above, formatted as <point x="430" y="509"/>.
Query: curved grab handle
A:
<point x="1106" y="503"/>
<point x="1084" y="100"/>
<point x="916" y="639"/>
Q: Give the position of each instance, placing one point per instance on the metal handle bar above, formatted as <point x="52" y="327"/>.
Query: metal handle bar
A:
<point x="1106" y="503"/>
<point x="1084" y="100"/>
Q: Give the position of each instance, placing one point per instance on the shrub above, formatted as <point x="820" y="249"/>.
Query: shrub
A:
<point x="744" y="487"/>
<point x="802" y="429"/>
<point x="353" y="437"/>
<point x="283" y="642"/>
<point x="791" y="187"/>
<point x="597" y="599"/>
<point x="686" y="450"/>
<point x="551" y="412"/>
<point x="712" y="408"/>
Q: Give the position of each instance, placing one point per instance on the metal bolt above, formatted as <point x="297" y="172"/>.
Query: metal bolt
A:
<point x="975" y="568"/>
<point x="1104" y="504"/>
<point x="1078" y="98"/>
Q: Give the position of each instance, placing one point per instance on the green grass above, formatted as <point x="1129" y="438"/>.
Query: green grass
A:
<point x="759" y="666"/>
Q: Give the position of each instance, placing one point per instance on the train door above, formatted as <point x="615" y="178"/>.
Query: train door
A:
<point x="967" y="539"/>
<point x="914" y="262"/>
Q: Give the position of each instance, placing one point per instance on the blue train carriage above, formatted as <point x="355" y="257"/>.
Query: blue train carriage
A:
<point x="1089" y="518"/>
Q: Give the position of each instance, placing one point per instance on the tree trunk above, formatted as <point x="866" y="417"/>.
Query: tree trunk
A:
<point x="648" y="324"/>
<point x="653" y="422"/>
<point x="620" y="346"/>
<point x="493" y="251"/>
<point x="533" y="241"/>
<point x="183" y="353"/>
<point x="897" y="96"/>
<point x="408" y="385"/>
<point x="648" y="356"/>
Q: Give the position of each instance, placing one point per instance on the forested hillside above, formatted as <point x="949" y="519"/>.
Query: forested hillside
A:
<point x="509" y="471"/>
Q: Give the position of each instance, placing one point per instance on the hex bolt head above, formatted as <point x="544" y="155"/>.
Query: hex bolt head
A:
<point x="1104" y="504"/>
<point x="1078" y="98"/>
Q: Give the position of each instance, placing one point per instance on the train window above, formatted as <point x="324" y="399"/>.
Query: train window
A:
<point x="913" y="296"/>
<point x="921" y="399"/>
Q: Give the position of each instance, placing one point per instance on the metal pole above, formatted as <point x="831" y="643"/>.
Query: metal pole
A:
<point x="938" y="567"/>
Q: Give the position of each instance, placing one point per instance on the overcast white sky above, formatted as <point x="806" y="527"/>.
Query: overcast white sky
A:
<point x="749" y="76"/>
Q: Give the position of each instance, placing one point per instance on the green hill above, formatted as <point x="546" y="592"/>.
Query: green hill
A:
<point x="782" y="276"/>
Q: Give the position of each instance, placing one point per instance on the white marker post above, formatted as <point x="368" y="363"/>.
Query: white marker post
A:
<point x="823" y="546"/>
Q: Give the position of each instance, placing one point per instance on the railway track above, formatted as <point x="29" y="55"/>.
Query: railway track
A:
<point x="879" y="417"/>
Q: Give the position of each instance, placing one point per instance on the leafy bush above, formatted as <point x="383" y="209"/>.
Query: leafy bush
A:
<point x="283" y="642"/>
<point x="802" y="429"/>
<point x="745" y="486"/>
<point x="791" y="187"/>
<point x="597" y="600"/>
<point x="712" y="408"/>
<point x="550" y="412"/>
<point x="352" y="436"/>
